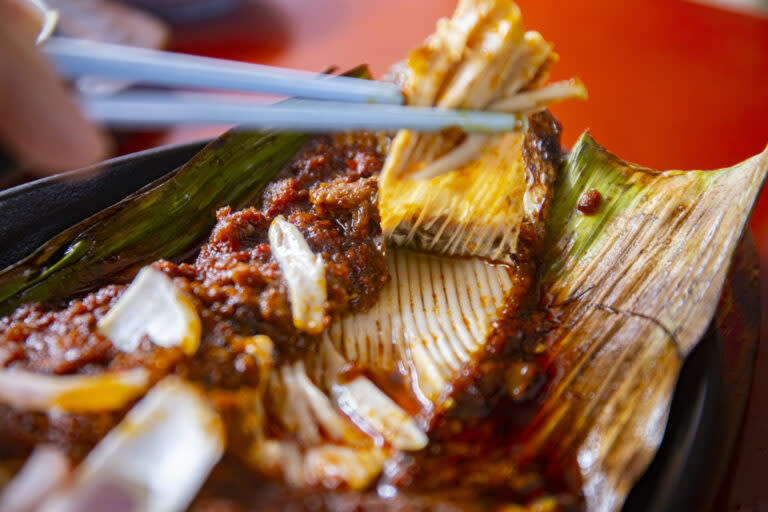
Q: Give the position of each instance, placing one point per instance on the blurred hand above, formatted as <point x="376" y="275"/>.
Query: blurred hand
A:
<point x="40" y="124"/>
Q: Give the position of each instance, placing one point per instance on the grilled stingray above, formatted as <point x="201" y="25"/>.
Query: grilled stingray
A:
<point x="429" y="327"/>
<point x="436" y="314"/>
<point x="432" y="320"/>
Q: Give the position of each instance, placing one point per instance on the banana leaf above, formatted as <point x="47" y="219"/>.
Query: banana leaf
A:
<point x="635" y="286"/>
<point x="160" y="221"/>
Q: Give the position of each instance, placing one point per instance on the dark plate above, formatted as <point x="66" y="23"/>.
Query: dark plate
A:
<point x="698" y="441"/>
<point x="35" y="212"/>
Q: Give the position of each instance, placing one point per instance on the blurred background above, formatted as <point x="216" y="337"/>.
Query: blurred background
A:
<point x="673" y="85"/>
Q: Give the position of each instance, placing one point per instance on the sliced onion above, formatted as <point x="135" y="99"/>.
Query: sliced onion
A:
<point x="361" y="398"/>
<point x="319" y="445"/>
<point x="327" y="465"/>
<point x="309" y="413"/>
<point x="44" y="472"/>
<point x="154" y="307"/>
<point x="333" y="465"/>
<point x="156" y="459"/>
<point x="363" y="402"/>
<point x="72" y="393"/>
<point x="304" y="274"/>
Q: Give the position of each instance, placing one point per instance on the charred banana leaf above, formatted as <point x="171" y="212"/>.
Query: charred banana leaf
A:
<point x="636" y="285"/>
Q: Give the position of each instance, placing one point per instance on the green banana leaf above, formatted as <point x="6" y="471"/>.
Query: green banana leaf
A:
<point x="160" y="221"/>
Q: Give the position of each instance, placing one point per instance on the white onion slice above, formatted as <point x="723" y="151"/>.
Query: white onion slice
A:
<point x="333" y="465"/>
<point x="361" y="398"/>
<point x="307" y="412"/>
<point x="44" y="472"/>
<point x="372" y="410"/>
<point x="319" y="445"/>
<point x="304" y="274"/>
<point x="327" y="465"/>
<point x="71" y="393"/>
<point x="154" y="307"/>
<point x="156" y="459"/>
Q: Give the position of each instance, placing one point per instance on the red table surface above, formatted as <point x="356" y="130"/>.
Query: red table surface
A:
<point x="673" y="85"/>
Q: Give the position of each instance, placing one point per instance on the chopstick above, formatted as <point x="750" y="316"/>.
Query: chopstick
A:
<point x="147" y="110"/>
<point x="348" y="103"/>
<point x="76" y="57"/>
